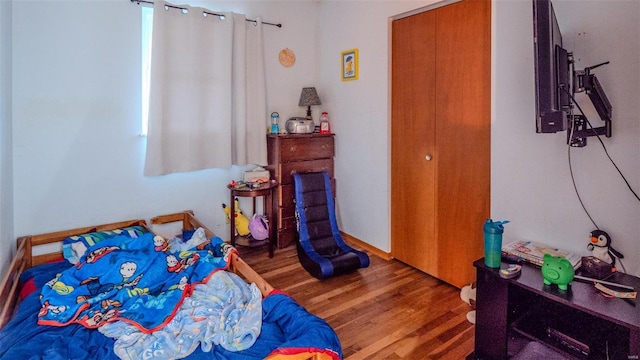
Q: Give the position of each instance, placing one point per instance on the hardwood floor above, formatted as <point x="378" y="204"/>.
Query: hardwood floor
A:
<point x="386" y="311"/>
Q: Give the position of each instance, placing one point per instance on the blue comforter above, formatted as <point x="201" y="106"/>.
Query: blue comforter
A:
<point x="128" y="279"/>
<point x="287" y="328"/>
<point x="226" y="311"/>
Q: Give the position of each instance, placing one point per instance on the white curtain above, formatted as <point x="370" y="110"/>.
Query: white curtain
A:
<point x="207" y="102"/>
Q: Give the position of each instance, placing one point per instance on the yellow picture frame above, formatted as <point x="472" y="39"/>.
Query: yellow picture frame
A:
<point x="349" y="59"/>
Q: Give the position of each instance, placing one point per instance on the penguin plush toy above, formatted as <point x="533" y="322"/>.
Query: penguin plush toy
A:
<point x="601" y="248"/>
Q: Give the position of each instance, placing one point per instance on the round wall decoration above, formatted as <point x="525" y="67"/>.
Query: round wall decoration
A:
<point x="287" y="57"/>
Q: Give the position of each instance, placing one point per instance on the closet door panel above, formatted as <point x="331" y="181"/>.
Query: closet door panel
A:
<point x="413" y="141"/>
<point x="463" y="109"/>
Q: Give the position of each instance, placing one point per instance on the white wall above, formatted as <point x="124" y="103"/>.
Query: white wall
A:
<point x="531" y="182"/>
<point x="359" y="112"/>
<point x="531" y="185"/>
<point x="76" y="101"/>
<point x="7" y="242"/>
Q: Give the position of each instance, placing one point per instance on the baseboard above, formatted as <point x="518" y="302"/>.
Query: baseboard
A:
<point x="363" y="245"/>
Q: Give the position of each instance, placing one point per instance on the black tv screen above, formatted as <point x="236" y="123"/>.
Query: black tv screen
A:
<point x="552" y="73"/>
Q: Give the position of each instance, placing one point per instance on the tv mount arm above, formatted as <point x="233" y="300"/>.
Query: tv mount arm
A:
<point x="587" y="82"/>
<point x="588" y="69"/>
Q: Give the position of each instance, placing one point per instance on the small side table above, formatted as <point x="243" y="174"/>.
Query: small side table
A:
<point x="269" y="208"/>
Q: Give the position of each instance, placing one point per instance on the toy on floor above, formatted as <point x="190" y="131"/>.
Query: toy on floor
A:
<point x="601" y="248"/>
<point x="241" y="221"/>
<point x="468" y="295"/>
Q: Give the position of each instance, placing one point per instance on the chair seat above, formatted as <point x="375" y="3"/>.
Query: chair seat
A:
<point x="321" y="249"/>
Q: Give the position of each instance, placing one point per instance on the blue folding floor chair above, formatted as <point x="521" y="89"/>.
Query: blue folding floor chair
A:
<point x="321" y="250"/>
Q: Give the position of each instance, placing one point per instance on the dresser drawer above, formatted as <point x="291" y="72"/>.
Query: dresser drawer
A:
<point x="288" y="223"/>
<point x="287" y="228"/>
<point x="292" y="149"/>
<point x="286" y="237"/>
<point x="286" y="215"/>
<point x="289" y="168"/>
<point x="286" y="194"/>
<point x="290" y="154"/>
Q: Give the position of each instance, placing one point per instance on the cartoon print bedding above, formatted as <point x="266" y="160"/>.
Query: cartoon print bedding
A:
<point x="287" y="329"/>
<point x="225" y="311"/>
<point x="149" y="283"/>
<point x="131" y="280"/>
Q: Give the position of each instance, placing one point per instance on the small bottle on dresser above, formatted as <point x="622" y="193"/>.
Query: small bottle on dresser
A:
<point x="324" y="123"/>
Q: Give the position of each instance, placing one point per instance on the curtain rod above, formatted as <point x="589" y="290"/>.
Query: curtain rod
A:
<point x="205" y="12"/>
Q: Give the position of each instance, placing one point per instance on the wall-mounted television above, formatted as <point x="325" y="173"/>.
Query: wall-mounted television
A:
<point x="557" y="81"/>
<point x="552" y="71"/>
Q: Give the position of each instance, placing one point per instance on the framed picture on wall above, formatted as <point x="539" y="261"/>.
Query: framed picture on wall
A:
<point x="350" y="65"/>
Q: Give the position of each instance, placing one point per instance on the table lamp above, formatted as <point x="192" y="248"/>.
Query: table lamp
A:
<point x="308" y="97"/>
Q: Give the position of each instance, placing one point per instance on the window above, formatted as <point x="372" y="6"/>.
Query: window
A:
<point x="223" y="115"/>
<point x="147" y="30"/>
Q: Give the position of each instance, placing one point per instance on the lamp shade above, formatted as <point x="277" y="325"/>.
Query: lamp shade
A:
<point x="308" y="97"/>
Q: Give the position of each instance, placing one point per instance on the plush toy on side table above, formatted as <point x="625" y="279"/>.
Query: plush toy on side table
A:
<point x="557" y="270"/>
<point x="241" y="221"/>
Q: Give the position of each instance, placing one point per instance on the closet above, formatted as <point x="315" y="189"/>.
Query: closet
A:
<point x="440" y="138"/>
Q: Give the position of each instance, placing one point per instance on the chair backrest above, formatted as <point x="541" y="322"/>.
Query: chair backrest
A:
<point x="321" y="249"/>
<point x="315" y="210"/>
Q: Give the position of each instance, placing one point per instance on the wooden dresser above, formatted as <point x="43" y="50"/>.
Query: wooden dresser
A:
<point x="289" y="154"/>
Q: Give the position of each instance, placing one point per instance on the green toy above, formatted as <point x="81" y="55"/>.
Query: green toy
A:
<point x="557" y="270"/>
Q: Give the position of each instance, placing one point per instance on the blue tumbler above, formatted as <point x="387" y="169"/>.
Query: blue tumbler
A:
<point x="493" y="242"/>
<point x="275" y="118"/>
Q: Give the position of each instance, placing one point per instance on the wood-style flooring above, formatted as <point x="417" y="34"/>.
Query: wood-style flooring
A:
<point x="386" y="311"/>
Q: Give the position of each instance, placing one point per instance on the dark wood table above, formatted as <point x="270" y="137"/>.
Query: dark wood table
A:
<point x="524" y="308"/>
<point x="269" y="208"/>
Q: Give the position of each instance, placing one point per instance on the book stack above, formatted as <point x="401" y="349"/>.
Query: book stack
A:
<point x="533" y="252"/>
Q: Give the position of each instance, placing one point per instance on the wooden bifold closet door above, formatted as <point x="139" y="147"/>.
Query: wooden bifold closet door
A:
<point x="440" y="142"/>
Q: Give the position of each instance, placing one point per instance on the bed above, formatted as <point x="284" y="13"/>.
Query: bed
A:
<point x="36" y="322"/>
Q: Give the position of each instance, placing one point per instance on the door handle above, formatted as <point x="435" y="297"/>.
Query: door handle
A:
<point x="428" y="157"/>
